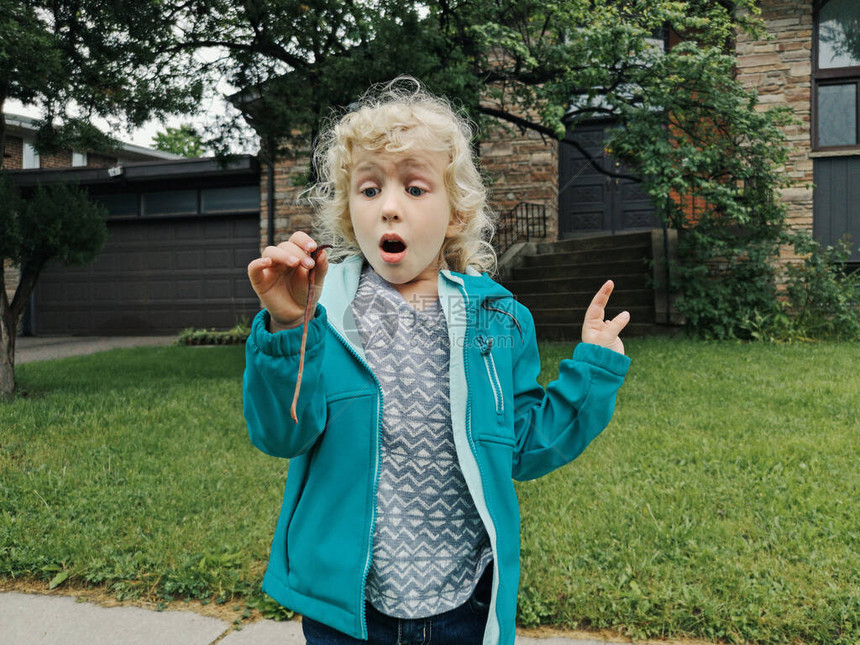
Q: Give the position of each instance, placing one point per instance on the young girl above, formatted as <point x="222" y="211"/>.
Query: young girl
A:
<point x="419" y="400"/>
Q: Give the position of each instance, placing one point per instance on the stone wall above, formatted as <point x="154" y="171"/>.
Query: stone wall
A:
<point x="780" y="70"/>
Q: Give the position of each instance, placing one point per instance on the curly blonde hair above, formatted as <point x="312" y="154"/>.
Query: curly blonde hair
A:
<point x="395" y="117"/>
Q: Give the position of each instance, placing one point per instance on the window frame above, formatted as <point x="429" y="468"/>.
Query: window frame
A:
<point x="831" y="76"/>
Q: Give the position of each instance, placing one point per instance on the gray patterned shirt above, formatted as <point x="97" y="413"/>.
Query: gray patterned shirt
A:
<point x="430" y="546"/>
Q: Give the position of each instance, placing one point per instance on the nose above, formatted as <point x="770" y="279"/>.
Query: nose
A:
<point x="391" y="207"/>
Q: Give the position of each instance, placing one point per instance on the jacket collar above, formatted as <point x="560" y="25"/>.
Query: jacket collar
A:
<point x="341" y="285"/>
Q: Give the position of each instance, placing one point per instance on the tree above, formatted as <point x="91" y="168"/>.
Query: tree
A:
<point x="533" y="64"/>
<point x="76" y="61"/>
<point x="686" y="129"/>
<point x="184" y="140"/>
<point x="296" y="61"/>
<point x="57" y="223"/>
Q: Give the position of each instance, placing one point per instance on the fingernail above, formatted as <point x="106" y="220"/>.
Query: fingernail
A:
<point x="308" y="263"/>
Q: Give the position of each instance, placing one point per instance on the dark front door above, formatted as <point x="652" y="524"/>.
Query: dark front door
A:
<point x="590" y="201"/>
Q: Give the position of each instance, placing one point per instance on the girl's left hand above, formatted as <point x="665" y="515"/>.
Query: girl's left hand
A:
<point x="597" y="330"/>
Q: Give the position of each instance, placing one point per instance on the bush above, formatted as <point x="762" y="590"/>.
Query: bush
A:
<point x="235" y="336"/>
<point x="823" y="295"/>
<point x="725" y="278"/>
<point x="821" y="298"/>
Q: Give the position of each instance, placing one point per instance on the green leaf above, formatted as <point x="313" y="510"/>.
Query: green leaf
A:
<point x="58" y="579"/>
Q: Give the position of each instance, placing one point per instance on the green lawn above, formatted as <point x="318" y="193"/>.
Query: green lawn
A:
<point x="721" y="503"/>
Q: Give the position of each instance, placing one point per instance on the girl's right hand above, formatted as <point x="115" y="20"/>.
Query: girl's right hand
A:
<point x="280" y="278"/>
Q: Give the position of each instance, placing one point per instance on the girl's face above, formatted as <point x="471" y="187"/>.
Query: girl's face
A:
<point x="401" y="214"/>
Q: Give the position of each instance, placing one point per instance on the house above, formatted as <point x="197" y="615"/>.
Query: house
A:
<point x="20" y="152"/>
<point x="181" y="234"/>
<point x="808" y="64"/>
<point x="812" y="64"/>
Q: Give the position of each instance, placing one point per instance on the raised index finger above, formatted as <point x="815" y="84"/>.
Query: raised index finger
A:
<point x="602" y="296"/>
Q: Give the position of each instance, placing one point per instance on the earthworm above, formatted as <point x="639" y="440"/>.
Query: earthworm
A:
<point x="308" y="307"/>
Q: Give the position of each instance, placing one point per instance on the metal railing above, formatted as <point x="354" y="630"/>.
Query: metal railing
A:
<point x="524" y="221"/>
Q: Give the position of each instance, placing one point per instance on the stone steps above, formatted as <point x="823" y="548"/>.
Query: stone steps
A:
<point x="586" y="268"/>
<point x="557" y="281"/>
<point x="573" y="331"/>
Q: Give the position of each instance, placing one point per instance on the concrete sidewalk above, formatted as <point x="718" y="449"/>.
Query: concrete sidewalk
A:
<point x="29" y="349"/>
<point x="33" y="619"/>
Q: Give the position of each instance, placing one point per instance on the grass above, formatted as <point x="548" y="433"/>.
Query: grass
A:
<point x="132" y="469"/>
<point x="722" y="502"/>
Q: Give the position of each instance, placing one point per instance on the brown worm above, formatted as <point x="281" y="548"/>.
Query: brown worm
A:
<point x="308" y="310"/>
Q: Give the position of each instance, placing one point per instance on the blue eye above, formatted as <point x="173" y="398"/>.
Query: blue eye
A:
<point x="415" y="191"/>
<point x="370" y="192"/>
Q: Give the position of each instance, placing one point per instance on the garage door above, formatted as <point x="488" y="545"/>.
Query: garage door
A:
<point x="155" y="277"/>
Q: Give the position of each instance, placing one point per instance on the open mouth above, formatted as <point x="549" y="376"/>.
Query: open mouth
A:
<point x="392" y="248"/>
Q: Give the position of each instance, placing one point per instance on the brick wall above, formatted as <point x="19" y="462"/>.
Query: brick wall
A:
<point x="61" y="159"/>
<point x="521" y="167"/>
<point x="95" y="160"/>
<point x="780" y="70"/>
<point x="13" y="155"/>
<point x="290" y="215"/>
<point x="15" y="159"/>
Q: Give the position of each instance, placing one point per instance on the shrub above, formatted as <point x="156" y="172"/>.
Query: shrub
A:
<point x="235" y="336"/>
<point x="823" y="294"/>
<point x="725" y="278"/>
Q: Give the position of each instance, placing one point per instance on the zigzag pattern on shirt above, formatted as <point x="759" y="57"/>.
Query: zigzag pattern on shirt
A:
<point x="430" y="546"/>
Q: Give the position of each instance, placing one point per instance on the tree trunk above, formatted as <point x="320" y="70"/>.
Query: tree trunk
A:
<point x="10" y="316"/>
<point x="3" y="89"/>
<point x="8" y="331"/>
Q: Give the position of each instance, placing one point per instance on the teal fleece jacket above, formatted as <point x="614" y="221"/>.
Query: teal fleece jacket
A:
<point x="506" y="426"/>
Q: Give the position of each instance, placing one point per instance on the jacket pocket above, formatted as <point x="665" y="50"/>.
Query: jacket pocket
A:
<point x="328" y="535"/>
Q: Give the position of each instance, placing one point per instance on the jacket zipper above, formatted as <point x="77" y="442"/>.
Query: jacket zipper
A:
<point x="375" y="489"/>
<point x="470" y="438"/>
<point x="486" y="345"/>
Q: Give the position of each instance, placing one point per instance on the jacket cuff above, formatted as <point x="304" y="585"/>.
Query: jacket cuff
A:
<point x="599" y="356"/>
<point x="289" y="341"/>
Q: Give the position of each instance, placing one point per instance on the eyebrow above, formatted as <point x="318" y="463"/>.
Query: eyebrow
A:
<point x="408" y="162"/>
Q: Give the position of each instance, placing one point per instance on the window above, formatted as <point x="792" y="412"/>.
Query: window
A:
<point x="121" y="205"/>
<point x="836" y="75"/>
<point x="171" y="202"/>
<point x="31" y="156"/>
<point x="223" y="200"/>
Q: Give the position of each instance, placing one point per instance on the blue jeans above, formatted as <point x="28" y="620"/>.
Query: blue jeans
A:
<point x="461" y="626"/>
